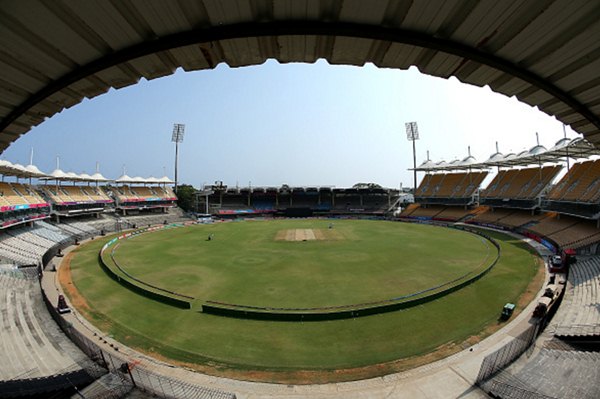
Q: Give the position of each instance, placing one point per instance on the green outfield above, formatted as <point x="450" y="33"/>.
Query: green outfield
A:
<point x="301" y="263"/>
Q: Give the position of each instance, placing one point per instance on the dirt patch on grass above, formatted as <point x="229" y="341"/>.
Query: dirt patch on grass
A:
<point x="308" y="235"/>
<point x="296" y="235"/>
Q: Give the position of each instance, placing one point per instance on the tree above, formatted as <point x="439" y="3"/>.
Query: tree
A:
<point x="186" y="198"/>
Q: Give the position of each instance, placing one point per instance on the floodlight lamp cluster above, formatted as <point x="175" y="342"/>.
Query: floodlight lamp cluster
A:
<point x="178" y="132"/>
<point x="412" y="131"/>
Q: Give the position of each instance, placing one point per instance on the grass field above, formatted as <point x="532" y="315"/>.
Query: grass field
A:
<point x="250" y="263"/>
<point x="223" y="345"/>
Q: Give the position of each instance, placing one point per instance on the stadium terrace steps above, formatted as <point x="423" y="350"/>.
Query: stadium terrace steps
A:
<point x="50" y="232"/>
<point x="409" y="210"/>
<point x="549" y="374"/>
<point x="580" y="184"/>
<point x="110" y="385"/>
<point x="567" y="231"/>
<point x="27" y="245"/>
<point x="579" y="313"/>
<point x="450" y="185"/>
<point x="520" y="183"/>
<point x="32" y="342"/>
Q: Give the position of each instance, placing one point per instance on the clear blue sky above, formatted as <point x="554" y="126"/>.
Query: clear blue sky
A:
<point x="296" y="124"/>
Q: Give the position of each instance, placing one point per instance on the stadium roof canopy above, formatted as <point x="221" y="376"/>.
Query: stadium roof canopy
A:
<point x="54" y="54"/>
<point x="564" y="148"/>
<point x="8" y="168"/>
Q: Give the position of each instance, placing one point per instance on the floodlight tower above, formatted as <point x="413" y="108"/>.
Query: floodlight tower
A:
<point x="177" y="137"/>
<point x="412" y="134"/>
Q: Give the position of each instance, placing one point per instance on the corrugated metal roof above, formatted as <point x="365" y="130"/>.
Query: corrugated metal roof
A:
<point x="53" y="54"/>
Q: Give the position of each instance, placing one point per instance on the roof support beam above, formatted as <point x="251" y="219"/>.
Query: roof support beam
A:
<point x="299" y="28"/>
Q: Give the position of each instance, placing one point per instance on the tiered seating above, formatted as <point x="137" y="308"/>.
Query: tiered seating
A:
<point x="567" y="231"/>
<point x="49" y="231"/>
<point x="76" y="229"/>
<point x="28" y="193"/>
<point x="586" y="188"/>
<point x="492" y="216"/>
<point x="450" y="185"/>
<point x="164" y="192"/>
<point x="52" y="193"/>
<point x="456" y="189"/>
<point x="82" y="227"/>
<point x="429" y="212"/>
<point x="578" y="313"/>
<point x="144" y="192"/>
<point x="469" y="184"/>
<point x="17" y="256"/>
<point x="577" y="236"/>
<point x="27" y="235"/>
<point x="26" y="246"/>
<point x="75" y="194"/>
<point x="553" y="224"/>
<point x="80" y="194"/>
<point x="491" y="191"/>
<point x="519" y="218"/>
<point x="520" y="183"/>
<point x="567" y="181"/>
<point x="124" y="194"/>
<point x="10" y="196"/>
<point x="173" y="216"/>
<point x="95" y="193"/>
<point x="549" y="374"/>
<point x="409" y="210"/>
<point x="433" y="211"/>
<point x="453" y="213"/>
<point x="429" y="185"/>
<point x="32" y="345"/>
<point x="580" y="184"/>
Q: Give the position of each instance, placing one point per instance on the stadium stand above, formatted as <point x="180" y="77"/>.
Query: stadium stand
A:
<point x="580" y="184"/>
<point x="453" y="213"/>
<point x="456" y="188"/>
<point x="512" y="218"/>
<point x="110" y="385"/>
<point x="132" y="199"/>
<point x="579" y="314"/>
<point x="520" y="218"/>
<point x="96" y="194"/>
<point x="409" y="210"/>
<point x="436" y="212"/>
<point x="492" y="216"/>
<point x="429" y="185"/>
<point x="578" y="192"/>
<point x="50" y="232"/>
<point x="549" y="374"/>
<point x="566" y="231"/>
<point x="518" y="188"/>
<point x="37" y="358"/>
<point x="425" y="212"/>
<point x="299" y="201"/>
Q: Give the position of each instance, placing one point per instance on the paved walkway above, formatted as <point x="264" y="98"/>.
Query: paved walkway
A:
<point x="452" y="377"/>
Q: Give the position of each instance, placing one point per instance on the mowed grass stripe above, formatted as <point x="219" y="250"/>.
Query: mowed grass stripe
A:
<point x="245" y="263"/>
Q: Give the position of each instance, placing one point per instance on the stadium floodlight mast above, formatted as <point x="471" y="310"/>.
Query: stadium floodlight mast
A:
<point x="412" y="134"/>
<point x="177" y="137"/>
